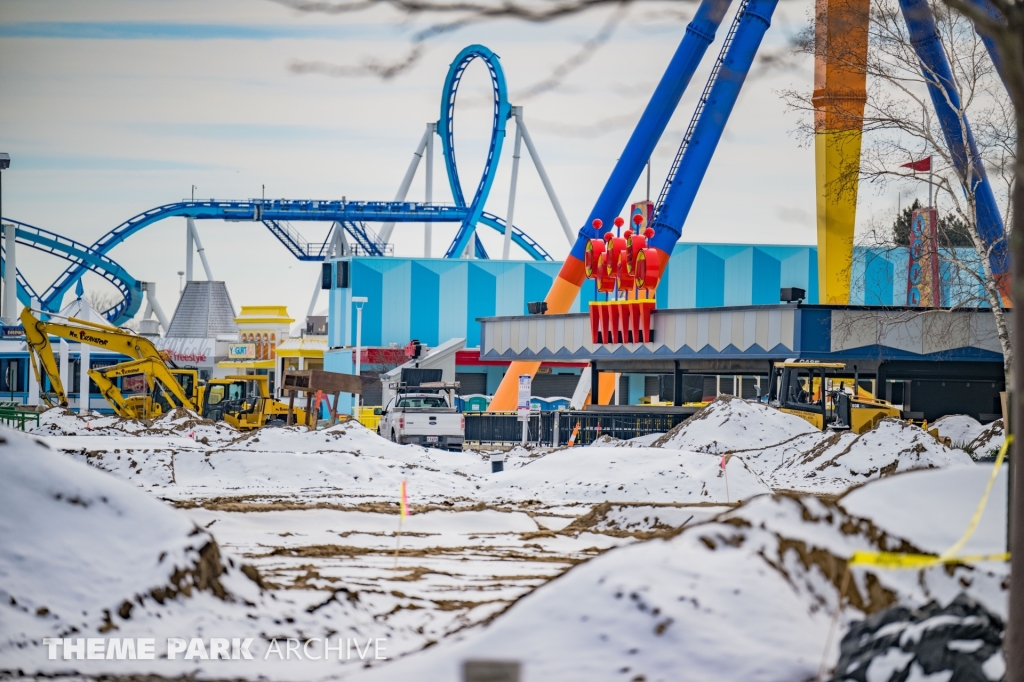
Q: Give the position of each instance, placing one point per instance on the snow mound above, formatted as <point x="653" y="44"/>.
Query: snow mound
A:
<point x="748" y="596"/>
<point x="599" y="474"/>
<point x="59" y="421"/>
<point x="85" y="554"/>
<point x="968" y="434"/>
<point x="946" y="497"/>
<point x="841" y="460"/>
<point x="734" y="425"/>
<point x="77" y="545"/>
<point x="988" y="443"/>
<point x="642" y="520"/>
<point x="645" y="441"/>
<point x="961" y="429"/>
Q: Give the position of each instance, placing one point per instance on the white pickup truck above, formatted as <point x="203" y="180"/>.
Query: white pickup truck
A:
<point x="423" y="418"/>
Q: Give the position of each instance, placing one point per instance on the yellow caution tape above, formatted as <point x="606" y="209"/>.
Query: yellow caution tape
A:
<point x="896" y="560"/>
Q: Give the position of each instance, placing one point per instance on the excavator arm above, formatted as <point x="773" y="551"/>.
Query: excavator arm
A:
<point x="40" y="353"/>
<point x="95" y="334"/>
<point x="147" y="360"/>
<point x="158" y="377"/>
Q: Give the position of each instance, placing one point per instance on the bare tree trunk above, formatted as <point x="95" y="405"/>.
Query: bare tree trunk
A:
<point x="1013" y="643"/>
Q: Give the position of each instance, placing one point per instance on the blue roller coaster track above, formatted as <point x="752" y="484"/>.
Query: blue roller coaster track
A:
<point x="277" y="214"/>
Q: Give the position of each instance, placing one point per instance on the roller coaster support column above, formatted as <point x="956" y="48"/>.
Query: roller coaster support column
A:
<point x="840" y="63"/>
<point x="153" y="305"/>
<point x="428" y="227"/>
<point x="10" y="276"/>
<point x="83" y="378"/>
<point x="699" y="34"/>
<point x="65" y="363"/>
<point x="521" y="128"/>
<point x="189" y="250"/>
<point x="506" y="250"/>
<point x="708" y="129"/>
<point x="199" y="248"/>
<point x="403" y="189"/>
<point x="956" y="130"/>
<point x="990" y="44"/>
<point x="33" y="380"/>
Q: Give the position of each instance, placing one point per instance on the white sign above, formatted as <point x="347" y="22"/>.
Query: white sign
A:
<point x="191" y="351"/>
<point x="241" y="351"/>
<point x="525" y="393"/>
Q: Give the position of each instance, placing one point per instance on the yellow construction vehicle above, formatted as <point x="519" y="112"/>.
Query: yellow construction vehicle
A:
<point x="168" y="387"/>
<point x="243" y="400"/>
<point x="826" y="395"/>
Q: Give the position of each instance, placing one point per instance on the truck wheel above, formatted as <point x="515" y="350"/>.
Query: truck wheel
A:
<point x="394" y="436"/>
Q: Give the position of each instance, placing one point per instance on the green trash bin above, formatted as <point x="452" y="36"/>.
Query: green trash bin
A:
<point x="476" y="403"/>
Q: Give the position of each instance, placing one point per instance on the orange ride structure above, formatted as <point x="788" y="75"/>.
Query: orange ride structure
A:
<point x="627" y="264"/>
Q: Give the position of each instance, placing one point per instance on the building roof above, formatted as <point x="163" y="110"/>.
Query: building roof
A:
<point x="264" y="314"/>
<point x="304" y="346"/>
<point x="81" y="309"/>
<point x="204" y="311"/>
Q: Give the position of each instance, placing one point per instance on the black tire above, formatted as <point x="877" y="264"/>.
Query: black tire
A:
<point x="394" y="436"/>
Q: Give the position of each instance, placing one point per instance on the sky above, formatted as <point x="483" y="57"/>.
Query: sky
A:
<point x="113" y="107"/>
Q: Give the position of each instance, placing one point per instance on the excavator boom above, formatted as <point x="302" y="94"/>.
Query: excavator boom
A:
<point x="158" y="377"/>
<point x="40" y="353"/>
<point x="147" y="360"/>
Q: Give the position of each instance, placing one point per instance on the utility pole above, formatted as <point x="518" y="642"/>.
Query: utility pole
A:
<point x="10" y="300"/>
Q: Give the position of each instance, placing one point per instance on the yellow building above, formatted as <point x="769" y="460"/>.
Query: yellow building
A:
<point x="304" y="352"/>
<point x="261" y="329"/>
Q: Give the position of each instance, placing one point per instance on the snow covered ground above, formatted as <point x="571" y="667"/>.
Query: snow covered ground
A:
<point x="622" y="560"/>
<point x="967" y="433"/>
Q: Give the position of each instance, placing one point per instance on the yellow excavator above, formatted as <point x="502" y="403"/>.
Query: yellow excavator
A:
<point x="818" y="393"/>
<point x="168" y="387"/>
<point x="243" y="400"/>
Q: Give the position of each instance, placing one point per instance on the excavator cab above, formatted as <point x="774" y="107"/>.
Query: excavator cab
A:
<point x="223" y="396"/>
<point x="242" y="400"/>
<point x="825" y="395"/>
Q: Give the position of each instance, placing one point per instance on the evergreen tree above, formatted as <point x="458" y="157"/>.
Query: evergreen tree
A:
<point x="953" y="232"/>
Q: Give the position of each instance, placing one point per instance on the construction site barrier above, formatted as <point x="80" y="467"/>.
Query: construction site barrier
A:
<point x="553" y="428"/>
<point x="10" y="415"/>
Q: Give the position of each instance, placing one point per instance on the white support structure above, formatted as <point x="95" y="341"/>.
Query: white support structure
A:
<point x="189" y="250"/>
<point x="582" y="392"/>
<point x="517" y="112"/>
<point x="83" y="388"/>
<point x="10" y="275"/>
<point x="521" y="126"/>
<point x="403" y="189"/>
<point x="358" y="302"/>
<point x="428" y="227"/>
<point x="338" y="247"/>
<point x="199" y="247"/>
<point x="339" y="243"/>
<point x="33" y="381"/>
<point x="65" y="364"/>
<point x="313" y="299"/>
<point x="153" y="306"/>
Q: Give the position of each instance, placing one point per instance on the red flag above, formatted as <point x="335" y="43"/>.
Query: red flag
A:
<point x="924" y="164"/>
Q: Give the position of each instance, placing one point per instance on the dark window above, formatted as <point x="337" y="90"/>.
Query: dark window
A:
<point x="13" y="374"/>
<point x="342" y="279"/>
<point x="325" y="276"/>
<point x="471" y="383"/>
<point x="422" y="402"/>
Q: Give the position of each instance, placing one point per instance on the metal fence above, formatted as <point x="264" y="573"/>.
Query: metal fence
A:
<point x="554" y="428"/>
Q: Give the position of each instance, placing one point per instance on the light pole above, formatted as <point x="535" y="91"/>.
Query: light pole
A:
<point x="359" y="301"/>
<point x="194" y="192"/>
<point x="10" y="302"/>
